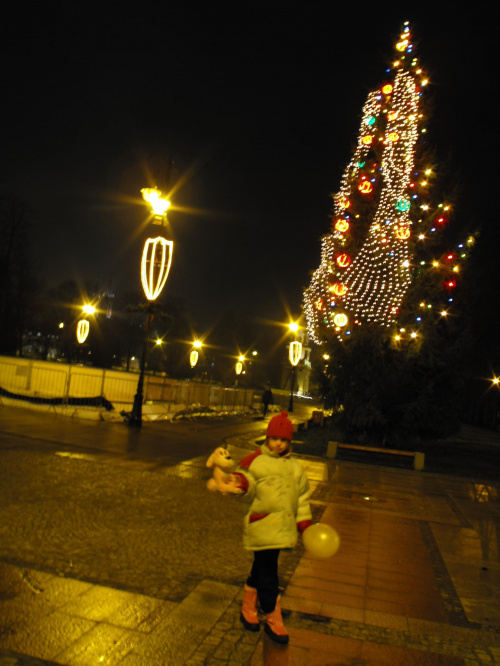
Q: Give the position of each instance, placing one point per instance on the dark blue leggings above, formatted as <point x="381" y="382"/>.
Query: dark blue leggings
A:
<point x="264" y="577"/>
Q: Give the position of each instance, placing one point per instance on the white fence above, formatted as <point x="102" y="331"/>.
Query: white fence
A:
<point x="39" y="383"/>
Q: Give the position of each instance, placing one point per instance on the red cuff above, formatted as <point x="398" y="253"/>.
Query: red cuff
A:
<point x="303" y="525"/>
<point x="242" y="481"/>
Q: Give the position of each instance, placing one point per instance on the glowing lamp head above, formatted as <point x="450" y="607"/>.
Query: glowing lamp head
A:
<point x="193" y="358"/>
<point x="293" y="326"/>
<point x="387" y="89"/>
<point x="239" y="367"/>
<point x="82" y="330"/>
<point x="154" y="198"/>
<point x="295" y="352"/>
<point x="88" y="309"/>
<point x="155" y="265"/>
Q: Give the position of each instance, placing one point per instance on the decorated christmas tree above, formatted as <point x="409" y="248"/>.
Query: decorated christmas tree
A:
<point x="386" y="220"/>
<point x="383" y="300"/>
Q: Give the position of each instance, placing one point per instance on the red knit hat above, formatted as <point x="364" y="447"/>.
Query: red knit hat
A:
<point x="280" y="426"/>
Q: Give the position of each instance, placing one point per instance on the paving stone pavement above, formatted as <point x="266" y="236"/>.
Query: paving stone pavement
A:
<point x="415" y="581"/>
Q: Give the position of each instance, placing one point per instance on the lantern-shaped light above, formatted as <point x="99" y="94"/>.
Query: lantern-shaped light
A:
<point x="342" y="226"/>
<point x="295" y="351"/>
<point x="82" y="330"/>
<point x="239" y="367"/>
<point x="193" y="358"/>
<point x="387" y="89"/>
<point x="340" y="320"/>
<point x="155" y="265"/>
<point x="343" y="260"/>
<point x="367" y="140"/>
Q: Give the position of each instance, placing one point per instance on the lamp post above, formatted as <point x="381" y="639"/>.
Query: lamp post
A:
<point x="295" y="350"/>
<point x="155" y="266"/>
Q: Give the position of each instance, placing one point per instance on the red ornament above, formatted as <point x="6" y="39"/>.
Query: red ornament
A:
<point x="343" y="260"/>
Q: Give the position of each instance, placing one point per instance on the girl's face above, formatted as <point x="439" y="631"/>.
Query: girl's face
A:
<point x="277" y="444"/>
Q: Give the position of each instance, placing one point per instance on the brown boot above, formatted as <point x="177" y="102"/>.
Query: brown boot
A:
<point x="248" y="614"/>
<point x="274" y="627"/>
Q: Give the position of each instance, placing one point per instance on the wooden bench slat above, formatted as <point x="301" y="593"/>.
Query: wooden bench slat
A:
<point x="358" y="447"/>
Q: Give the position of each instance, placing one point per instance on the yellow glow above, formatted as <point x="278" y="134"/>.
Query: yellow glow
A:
<point x="495" y="380"/>
<point x="413" y="335"/>
<point x="342" y="226"/>
<point x="88" y="309"/>
<point x="444" y="313"/>
<point x="295" y="352"/>
<point x="326" y="357"/>
<point x="197" y="344"/>
<point x="154" y="198"/>
<point x="340" y="320"/>
<point x="82" y="330"/>
<point x="159" y="342"/>
<point x="239" y="368"/>
<point x="61" y="325"/>
<point x="293" y="326"/>
<point x="241" y="358"/>
<point x="193" y="358"/>
<point x="155" y="265"/>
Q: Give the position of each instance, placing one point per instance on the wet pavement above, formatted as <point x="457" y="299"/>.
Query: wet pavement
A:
<point x="112" y="551"/>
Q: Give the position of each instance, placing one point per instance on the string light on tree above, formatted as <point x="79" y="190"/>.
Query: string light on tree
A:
<point x="383" y="200"/>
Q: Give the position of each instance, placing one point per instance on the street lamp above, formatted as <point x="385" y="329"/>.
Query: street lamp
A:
<point x="83" y="326"/>
<point x="295" y="351"/>
<point x="155" y="266"/>
<point x="193" y="356"/>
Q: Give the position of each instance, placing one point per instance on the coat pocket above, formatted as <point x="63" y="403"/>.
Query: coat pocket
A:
<point x="266" y="532"/>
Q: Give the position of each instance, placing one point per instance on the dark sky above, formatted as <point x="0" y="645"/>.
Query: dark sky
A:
<point x="259" y="113"/>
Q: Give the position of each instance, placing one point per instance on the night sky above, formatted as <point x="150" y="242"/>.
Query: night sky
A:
<point x="259" y="113"/>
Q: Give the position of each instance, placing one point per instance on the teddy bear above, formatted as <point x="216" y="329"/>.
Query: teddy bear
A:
<point x="222" y="480"/>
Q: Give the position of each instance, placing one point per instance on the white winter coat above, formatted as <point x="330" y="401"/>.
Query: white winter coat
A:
<point x="278" y="491"/>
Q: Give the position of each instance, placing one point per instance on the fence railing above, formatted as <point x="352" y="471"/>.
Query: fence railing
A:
<point x="43" y="382"/>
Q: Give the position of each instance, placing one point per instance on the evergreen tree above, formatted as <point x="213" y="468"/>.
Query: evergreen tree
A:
<point x="383" y="298"/>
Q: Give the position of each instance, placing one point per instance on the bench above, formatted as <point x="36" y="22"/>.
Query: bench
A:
<point x="418" y="456"/>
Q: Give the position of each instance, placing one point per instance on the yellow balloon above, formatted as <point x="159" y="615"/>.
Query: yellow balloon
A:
<point x="321" y="540"/>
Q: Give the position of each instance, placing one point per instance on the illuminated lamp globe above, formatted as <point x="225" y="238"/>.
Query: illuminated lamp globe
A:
<point x="155" y="265"/>
<point x="82" y="330"/>
<point x="193" y="358"/>
<point x="295" y="352"/>
<point x="387" y="89"/>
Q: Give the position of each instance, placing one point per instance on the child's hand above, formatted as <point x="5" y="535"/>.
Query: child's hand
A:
<point x="231" y="485"/>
